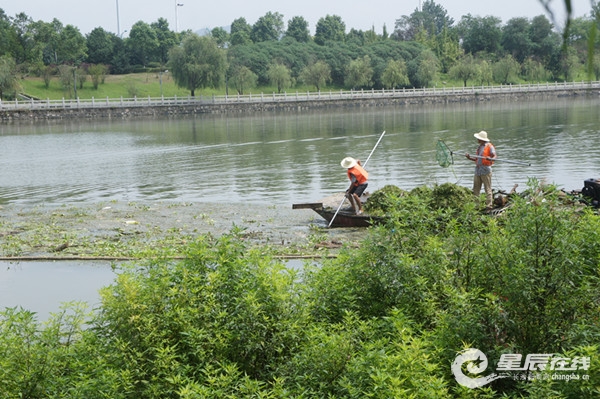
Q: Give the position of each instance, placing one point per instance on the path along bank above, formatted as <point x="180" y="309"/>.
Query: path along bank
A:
<point x="32" y="110"/>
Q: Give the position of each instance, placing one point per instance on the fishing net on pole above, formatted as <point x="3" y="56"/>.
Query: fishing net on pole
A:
<point x="443" y="154"/>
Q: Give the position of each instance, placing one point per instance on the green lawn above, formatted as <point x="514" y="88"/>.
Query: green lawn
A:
<point x="128" y="86"/>
<point x="115" y="86"/>
<point x="147" y="84"/>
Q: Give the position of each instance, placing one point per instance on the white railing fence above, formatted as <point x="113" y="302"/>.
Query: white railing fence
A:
<point x="289" y="97"/>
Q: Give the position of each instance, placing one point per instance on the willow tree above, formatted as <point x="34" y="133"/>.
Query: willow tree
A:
<point x="198" y="63"/>
<point x="359" y="73"/>
<point x="395" y="74"/>
<point x="280" y="76"/>
<point x="317" y="74"/>
<point x="9" y="82"/>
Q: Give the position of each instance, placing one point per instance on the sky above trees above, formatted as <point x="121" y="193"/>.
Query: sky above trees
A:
<point x="195" y="15"/>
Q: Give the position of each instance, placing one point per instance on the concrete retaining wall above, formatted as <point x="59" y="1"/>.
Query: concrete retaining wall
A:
<point x="142" y="111"/>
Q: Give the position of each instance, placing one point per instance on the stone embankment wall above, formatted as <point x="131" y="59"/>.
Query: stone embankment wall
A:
<point x="142" y="111"/>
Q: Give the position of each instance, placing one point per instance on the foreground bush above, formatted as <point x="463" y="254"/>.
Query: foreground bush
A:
<point x="385" y="320"/>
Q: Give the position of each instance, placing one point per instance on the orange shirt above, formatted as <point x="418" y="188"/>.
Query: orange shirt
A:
<point x="360" y="175"/>
<point x="488" y="152"/>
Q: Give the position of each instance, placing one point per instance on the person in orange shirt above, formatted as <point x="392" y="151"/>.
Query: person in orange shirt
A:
<point x="358" y="182"/>
<point x="484" y="159"/>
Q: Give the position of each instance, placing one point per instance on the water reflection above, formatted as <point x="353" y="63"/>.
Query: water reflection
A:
<point x="291" y="157"/>
<point x="43" y="286"/>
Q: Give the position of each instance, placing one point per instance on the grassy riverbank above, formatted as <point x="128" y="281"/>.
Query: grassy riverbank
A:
<point x="142" y="85"/>
<point x="152" y="84"/>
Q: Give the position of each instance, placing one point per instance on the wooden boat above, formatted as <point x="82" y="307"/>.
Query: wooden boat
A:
<point x="343" y="218"/>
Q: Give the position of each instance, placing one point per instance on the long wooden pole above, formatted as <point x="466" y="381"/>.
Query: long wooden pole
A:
<point x="364" y="166"/>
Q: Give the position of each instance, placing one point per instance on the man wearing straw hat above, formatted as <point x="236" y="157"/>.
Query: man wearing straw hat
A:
<point x="486" y="153"/>
<point x="358" y="182"/>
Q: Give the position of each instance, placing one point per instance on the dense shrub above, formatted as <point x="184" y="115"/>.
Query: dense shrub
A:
<point x="385" y="320"/>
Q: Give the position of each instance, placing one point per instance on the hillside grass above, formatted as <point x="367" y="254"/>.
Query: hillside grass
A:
<point x="139" y="85"/>
<point x="147" y="84"/>
<point x="115" y="86"/>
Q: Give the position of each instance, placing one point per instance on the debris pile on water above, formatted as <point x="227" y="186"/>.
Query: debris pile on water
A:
<point x="389" y="198"/>
<point x="451" y="196"/>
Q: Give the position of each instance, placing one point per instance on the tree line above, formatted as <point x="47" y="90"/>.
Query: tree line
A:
<point x="422" y="47"/>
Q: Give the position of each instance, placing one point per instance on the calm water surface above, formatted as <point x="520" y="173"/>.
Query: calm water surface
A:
<point x="291" y="157"/>
<point x="43" y="286"/>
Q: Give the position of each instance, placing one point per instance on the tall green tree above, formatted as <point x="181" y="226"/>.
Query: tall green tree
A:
<point x="465" y="69"/>
<point x="280" y="76"/>
<point x="142" y="43"/>
<point x="534" y="71"/>
<point x="423" y="69"/>
<point x="120" y="61"/>
<point x="269" y="27"/>
<point x="7" y="35"/>
<point x="317" y="74"/>
<point x="596" y="66"/>
<point x="9" y="82"/>
<point x="242" y="79"/>
<point x="72" y="45"/>
<point x="298" y="29"/>
<point x="435" y="17"/>
<point x="432" y="17"/>
<point x="569" y="61"/>
<point x="100" y="46"/>
<point x="506" y="70"/>
<point x="27" y="46"/>
<point x="60" y="44"/>
<point x="221" y="36"/>
<point x="330" y="28"/>
<point x="485" y="73"/>
<point x="370" y="36"/>
<point x="166" y="40"/>
<point x="447" y="48"/>
<point x="198" y="63"/>
<point x="395" y="74"/>
<point x="240" y="32"/>
<point x="545" y="41"/>
<point x="47" y="38"/>
<point x="516" y="38"/>
<point x="356" y="37"/>
<point x="359" y="73"/>
<point x="480" y="34"/>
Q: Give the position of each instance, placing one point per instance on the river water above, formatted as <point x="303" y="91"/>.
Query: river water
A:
<point x="292" y="157"/>
<point x="272" y="158"/>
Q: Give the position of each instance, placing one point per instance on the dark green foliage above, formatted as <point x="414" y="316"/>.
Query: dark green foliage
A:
<point x="330" y="28"/>
<point x="298" y="29"/>
<point x="222" y="305"/>
<point x="297" y="55"/>
<point x="384" y="320"/>
<point x="450" y="196"/>
<point x="384" y="200"/>
<point x="198" y="63"/>
<point x="446" y="196"/>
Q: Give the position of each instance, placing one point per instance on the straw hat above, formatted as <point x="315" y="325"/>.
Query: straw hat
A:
<point x="348" y="162"/>
<point x="481" y="136"/>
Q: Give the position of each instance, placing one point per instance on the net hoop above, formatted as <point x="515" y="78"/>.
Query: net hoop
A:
<point x="443" y="154"/>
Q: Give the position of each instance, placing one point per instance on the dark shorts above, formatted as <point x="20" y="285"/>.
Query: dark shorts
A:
<point x="358" y="190"/>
